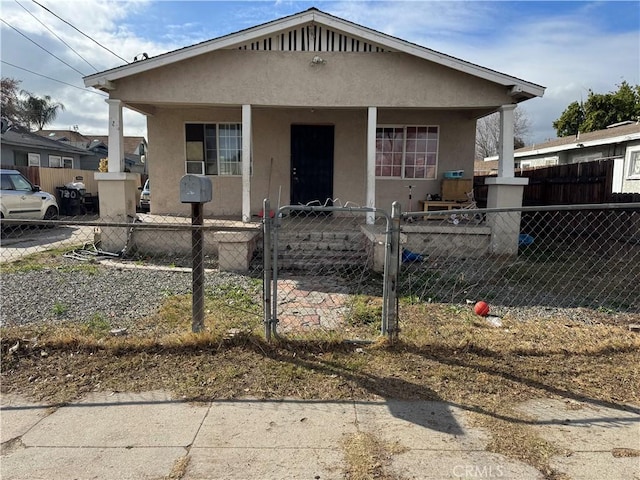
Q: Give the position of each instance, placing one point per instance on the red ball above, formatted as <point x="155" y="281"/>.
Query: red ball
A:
<point x="481" y="308"/>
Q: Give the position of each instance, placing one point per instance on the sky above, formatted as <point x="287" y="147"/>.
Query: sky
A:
<point x="568" y="47"/>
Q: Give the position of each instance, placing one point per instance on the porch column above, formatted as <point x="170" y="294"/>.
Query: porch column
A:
<point x="117" y="190"/>
<point x="372" y="122"/>
<point x="505" y="191"/>
<point x="116" y="138"/>
<point x="246" y="163"/>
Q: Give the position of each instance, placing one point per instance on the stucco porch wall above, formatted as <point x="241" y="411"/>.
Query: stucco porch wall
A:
<point x="233" y="248"/>
<point x="471" y="241"/>
<point x="271" y="135"/>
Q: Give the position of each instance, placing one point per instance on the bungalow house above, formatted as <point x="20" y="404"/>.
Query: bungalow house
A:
<point x="97" y="146"/>
<point x="620" y="142"/>
<point x="22" y="148"/>
<point x="307" y="108"/>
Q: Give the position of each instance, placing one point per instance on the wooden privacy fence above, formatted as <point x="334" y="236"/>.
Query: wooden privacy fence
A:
<point x="50" y="178"/>
<point x="573" y="184"/>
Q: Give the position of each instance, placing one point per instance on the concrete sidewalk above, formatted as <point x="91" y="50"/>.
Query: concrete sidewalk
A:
<point x="151" y="436"/>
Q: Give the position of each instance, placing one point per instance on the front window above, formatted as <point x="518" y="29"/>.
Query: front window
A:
<point x="34" y="159"/>
<point x="407" y="151"/>
<point x="55" y="161"/>
<point x="214" y="148"/>
<point x="634" y="165"/>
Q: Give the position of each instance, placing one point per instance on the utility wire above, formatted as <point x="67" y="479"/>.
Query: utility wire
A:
<point x="79" y="31"/>
<point x="55" y="35"/>
<point x="37" y="44"/>
<point x="53" y="79"/>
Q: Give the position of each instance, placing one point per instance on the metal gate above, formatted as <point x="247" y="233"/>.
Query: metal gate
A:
<point x="329" y="273"/>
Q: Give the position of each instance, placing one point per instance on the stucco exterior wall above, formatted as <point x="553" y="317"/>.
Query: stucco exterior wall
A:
<point x="274" y="78"/>
<point x="271" y="135"/>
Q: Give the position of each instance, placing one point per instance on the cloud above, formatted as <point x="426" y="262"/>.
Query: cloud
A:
<point x="569" y="47"/>
<point x="101" y="20"/>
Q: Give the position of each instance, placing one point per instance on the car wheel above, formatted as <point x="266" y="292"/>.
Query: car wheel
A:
<point x="50" y="214"/>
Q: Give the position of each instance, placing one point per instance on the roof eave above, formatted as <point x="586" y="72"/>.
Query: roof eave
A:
<point x="578" y="145"/>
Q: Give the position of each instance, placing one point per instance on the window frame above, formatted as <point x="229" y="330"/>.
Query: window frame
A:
<point x="221" y="165"/>
<point x="33" y="159"/>
<point x="634" y="164"/>
<point x="56" y="158"/>
<point x="404" y="165"/>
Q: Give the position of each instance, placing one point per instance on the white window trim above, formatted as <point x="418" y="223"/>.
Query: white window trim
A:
<point x="202" y="169"/>
<point x="33" y="159"/>
<point x="55" y="158"/>
<point x="64" y="159"/>
<point x="404" y="152"/>
<point x="630" y="175"/>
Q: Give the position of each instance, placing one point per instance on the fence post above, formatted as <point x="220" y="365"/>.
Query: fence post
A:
<point x="197" y="268"/>
<point x="266" y="258"/>
<point x="392" y="262"/>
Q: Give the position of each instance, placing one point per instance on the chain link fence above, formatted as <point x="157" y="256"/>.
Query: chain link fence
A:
<point x="319" y="275"/>
<point x="133" y="274"/>
<point x="528" y="263"/>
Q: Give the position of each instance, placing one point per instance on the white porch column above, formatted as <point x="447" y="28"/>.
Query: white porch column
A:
<point x="117" y="190"/>
<point x="246" y="163"/>
<point x="505" y="191"/>
<point x="505" y="154"/>
<point x="116" y="138"/>
<point x="372" y="122"/>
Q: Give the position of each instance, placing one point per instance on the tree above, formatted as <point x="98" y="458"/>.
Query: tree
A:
<point x="10" y="101"/>
<point x="39" y="111"/>
<point x="488" y="133"/>
<point x="570" y="120"/>
<point x="599" y="111"/>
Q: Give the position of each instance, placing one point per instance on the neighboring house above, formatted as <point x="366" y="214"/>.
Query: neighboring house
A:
<point x="304" y="109"/>
<point x="135" y="148"/>
<point x="21" y="148"/>
<point x="482" y="167"/>
<point x="620" y="141"/>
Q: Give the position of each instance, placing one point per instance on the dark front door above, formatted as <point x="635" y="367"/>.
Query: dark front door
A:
<point x="311" y="164"/>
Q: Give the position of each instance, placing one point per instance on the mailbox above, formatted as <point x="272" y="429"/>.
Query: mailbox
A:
<point x="195" y="189"/>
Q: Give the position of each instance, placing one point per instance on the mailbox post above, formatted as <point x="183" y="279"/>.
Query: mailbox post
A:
<point x="196" y="190"/>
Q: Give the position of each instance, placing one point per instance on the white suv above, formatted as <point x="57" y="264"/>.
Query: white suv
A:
<point x="21" y="199"/>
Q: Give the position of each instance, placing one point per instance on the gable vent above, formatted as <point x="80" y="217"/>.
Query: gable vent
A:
<point x="312" y="38"/>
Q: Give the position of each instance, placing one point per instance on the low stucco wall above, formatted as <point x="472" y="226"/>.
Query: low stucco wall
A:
<point x="233" y="248"/>
<point x="471" y="241"/>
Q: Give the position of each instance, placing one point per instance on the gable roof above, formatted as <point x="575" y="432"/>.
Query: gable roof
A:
<point x="62" y="135"/>
<point x="130" y="143"/>
<point x="31" y="140"/>
<point x="88" y="141"/>
<point x="614" y="134"/>
<point x="306" y="24"/>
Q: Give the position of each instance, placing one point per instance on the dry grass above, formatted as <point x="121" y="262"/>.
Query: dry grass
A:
<point x="179" y="468"/>
<point x="367" y="457"/>
<point x="445" y="354"/>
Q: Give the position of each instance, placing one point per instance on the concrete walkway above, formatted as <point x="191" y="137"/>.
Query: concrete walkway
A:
<point x="151" y="436"/>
